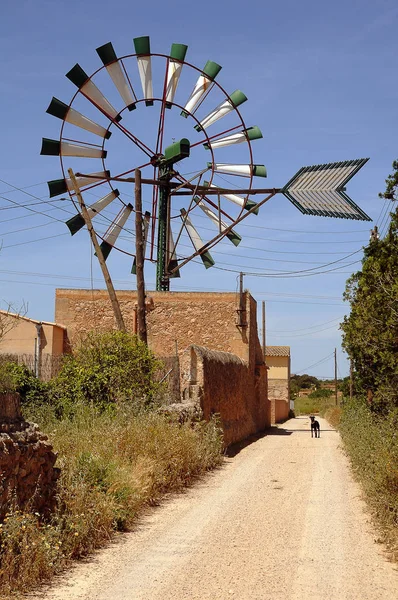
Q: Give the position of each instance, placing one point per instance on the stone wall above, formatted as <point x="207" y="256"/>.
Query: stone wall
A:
<point x="278" y="394"/>
<point x="28" y="476"/>
<point x="175" y="320"/>
<point x="223" y="384"/>
<point x="221" y="361"/>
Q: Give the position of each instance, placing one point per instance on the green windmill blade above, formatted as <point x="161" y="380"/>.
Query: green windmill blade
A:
<point x="114" y="230"/>
<point x="77" y="222"/>
<point x="143" y="50"/>
<point x="111" y="62"/>
<point x="196" y="240"/>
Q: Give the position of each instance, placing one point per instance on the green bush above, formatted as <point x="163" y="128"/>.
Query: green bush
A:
<point x="372" y="445"/>
<point x="107" y="369"/>
<point x="20" y="379"/>
<point x="321" y="393"/>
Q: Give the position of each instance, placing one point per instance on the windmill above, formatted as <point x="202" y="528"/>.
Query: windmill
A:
<point x="185" y="148"/>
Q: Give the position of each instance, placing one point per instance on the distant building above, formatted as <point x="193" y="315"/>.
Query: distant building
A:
<point x="38" y="344"/>
<point x="277" y="359"/>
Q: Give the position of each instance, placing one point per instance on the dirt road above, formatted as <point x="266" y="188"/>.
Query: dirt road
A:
<point x="282" y="519"/>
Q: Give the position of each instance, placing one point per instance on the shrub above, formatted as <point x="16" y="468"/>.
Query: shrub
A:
<point x="321" y="393"/>
<point x="372" y="445"/>
<point x="20" y="379"/>
<point x="107" y="369"/>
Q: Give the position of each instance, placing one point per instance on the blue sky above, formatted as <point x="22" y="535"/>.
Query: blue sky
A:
<point x="321" y="84"/>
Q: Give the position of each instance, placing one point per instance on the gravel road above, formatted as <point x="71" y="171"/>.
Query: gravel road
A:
<point x="282" y="519"/>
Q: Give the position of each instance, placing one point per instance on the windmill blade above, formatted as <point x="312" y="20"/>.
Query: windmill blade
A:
<point x="174" y="68"/>
<point x="234" y="237"/>
<point x="196" y="239"/>
<point x="235" y="99"/>
<point x="77" y="222"/>
<point x="62" y="186"/>
<point x="145" y="227"/>
<point x="320" y="190"/>
<point x="108" y="56"/>
<point x="62" y="111"/>
<point x="247" y="204"/>
<point x="143" y="51"/>
<point x="242" y="170"/>
<point x="251" y="133"/>
<point x="173" y="263"/>
<point x="57" y="148"/>
<point x="82" y="81"/>
<point x="114" y="230"/>
<point x="202" y="86"/>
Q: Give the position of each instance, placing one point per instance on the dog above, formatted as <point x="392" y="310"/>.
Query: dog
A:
<point x="315" y="427"/>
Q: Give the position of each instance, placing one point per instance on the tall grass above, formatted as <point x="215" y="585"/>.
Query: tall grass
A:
<point x="372" y="445"/>
<point x="113" y="465"/>
<point x="307" y="405"/>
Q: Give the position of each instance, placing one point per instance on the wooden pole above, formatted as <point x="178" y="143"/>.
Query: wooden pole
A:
<point x="263" y="332"/>
<point x="111" y="290"/>
<point x="335" y="374"/>
<point x="242" y="307"/>
<point x="139" y="259"/>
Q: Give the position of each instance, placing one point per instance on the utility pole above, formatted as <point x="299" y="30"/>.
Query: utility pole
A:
<point x="335" y="374"/>
<point x="139" y="259"/>
<point x="242" y="307"/>
<point x="263" y="331"/>
<point x="351" y="379"/>
<point x="111" y="290"/>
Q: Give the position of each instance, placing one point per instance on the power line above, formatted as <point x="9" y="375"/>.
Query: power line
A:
<point x="316" y="364"/>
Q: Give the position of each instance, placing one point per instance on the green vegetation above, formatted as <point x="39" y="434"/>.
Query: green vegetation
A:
<point x="117" y="455"/>
<point x="370" y="332"/>
<point x="316" y="402"/>
<point x="368" y="424"/>
<point x="371" y="442"/>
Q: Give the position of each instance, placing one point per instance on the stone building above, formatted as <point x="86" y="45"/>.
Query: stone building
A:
<point x="213" y="336"/>
<point x="277" y="359"/>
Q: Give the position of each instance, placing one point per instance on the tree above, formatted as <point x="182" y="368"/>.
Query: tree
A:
<point x="107" y="368"/>
<point x="370" y="332"/>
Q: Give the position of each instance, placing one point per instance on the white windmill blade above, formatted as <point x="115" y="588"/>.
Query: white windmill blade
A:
<point x="61" y="186"/>
<point x="114" y="230"/>
<point x="173" y="263"/>
<point x="60" y="148"/>
<point x="234" y="237"/>
<point x="196" y="240"/>
<point x="77" y="222"/>
<point x="145" y="227"/>
<point x="111" y="62"/>
<point x="251" y="133"/>
<point x="320" y="190"/>
<point x="235" y="99"/>
<point x="62" y="111"/>
<point x="143" y="50"/>
<point x="82" y="81"/>
<point x="238" y="200"/>
<point x="242" y="170"/>
<point x="174" y="69"/>
<point x="202" y="86"/>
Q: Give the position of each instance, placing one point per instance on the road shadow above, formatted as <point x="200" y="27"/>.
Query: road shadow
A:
<point x="234" y="449"/>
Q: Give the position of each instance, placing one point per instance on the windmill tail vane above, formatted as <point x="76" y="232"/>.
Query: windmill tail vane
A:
<point x="320" y="190"/>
